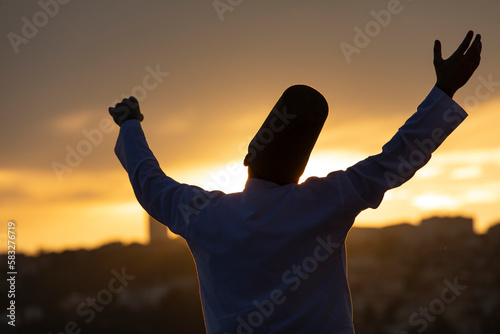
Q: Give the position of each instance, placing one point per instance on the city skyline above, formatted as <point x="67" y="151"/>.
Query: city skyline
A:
<point x="450" y="227"/>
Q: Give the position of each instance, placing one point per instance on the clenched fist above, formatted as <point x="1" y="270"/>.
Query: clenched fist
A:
<point x="125" y="110"/>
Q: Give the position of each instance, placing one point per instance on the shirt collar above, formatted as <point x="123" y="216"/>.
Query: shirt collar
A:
<point x="255" y="183"/>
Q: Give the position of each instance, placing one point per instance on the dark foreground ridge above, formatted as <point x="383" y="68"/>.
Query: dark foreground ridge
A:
<point x="437" y="277"/>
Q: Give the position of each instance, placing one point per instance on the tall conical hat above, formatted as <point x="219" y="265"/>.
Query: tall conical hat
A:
<point x="281" y="148"/>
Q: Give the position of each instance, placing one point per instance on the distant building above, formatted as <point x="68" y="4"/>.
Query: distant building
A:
<point x="493" y="235"/>
<point x="447" y="227"/>
<point x="494" y="230"/>
<point x="157" y="232"/>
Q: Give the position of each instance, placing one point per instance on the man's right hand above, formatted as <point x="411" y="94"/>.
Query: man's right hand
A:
<point x="125" y="110"/>
<point x="455" y="71"/>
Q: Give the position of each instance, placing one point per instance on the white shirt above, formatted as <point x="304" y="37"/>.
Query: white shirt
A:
<point x="271" y="259"/>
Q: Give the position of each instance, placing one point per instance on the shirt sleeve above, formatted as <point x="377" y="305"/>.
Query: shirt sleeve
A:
<point x="168" y="201"/>
<point x="409" y="150"/>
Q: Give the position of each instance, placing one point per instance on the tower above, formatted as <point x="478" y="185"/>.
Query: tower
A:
<point x="157" y="232"/>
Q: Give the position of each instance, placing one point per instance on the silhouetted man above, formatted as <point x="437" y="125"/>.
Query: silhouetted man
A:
<point x="271" y="259"/>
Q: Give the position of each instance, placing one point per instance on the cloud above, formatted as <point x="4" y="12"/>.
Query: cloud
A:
<point x="431" y="201"/>
<point x="73" y="122"/>
<point x="469" y="172"/>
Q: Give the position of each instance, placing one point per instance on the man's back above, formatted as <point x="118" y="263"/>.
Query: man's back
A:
<point x="272" y="258"/>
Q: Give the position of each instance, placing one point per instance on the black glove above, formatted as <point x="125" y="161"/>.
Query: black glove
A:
<point x="125" y="110"/>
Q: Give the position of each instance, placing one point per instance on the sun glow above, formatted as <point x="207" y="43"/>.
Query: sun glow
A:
<point x="324" y="162"/>
<point x="432" y="201"/>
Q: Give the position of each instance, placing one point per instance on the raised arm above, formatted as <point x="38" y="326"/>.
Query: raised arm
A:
<point x="168" y="201"/>
<point x="413" y="144"/>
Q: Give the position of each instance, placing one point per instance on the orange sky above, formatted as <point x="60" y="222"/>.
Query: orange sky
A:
<point x="216" y="80"/>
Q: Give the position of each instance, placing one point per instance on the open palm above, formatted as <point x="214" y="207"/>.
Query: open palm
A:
<point x="455" y="71"/>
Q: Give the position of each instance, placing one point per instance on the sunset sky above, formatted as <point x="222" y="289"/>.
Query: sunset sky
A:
<point x="207" y="74"/>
